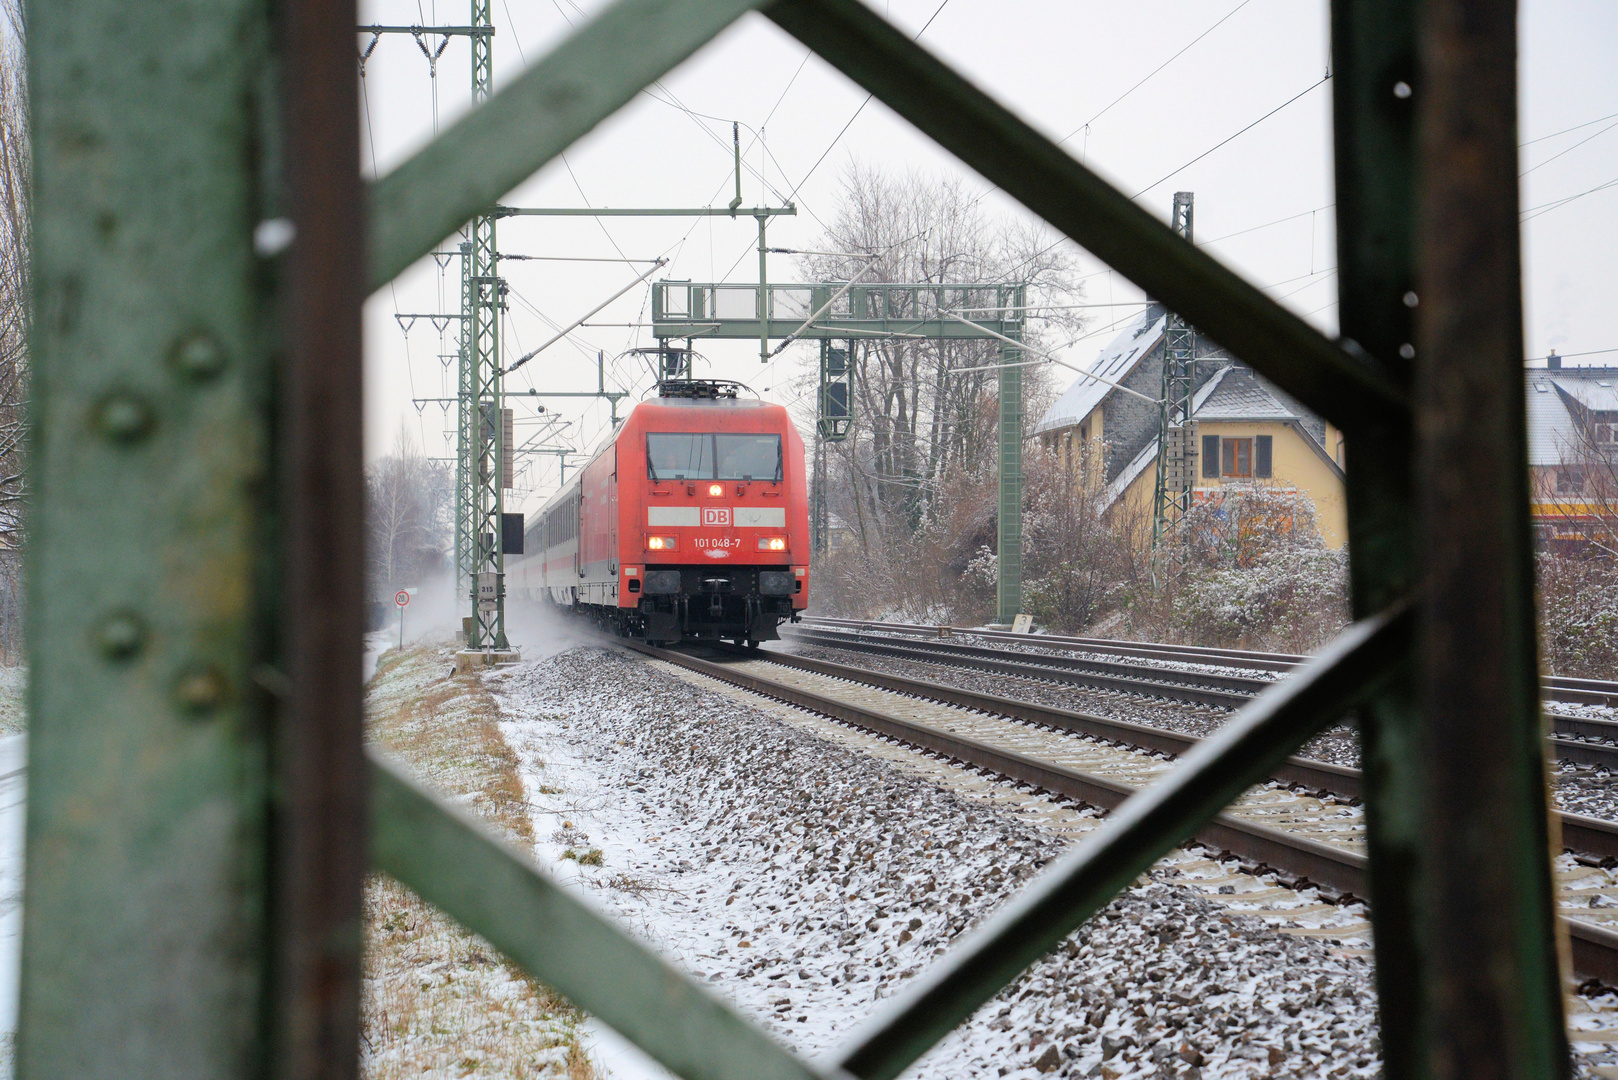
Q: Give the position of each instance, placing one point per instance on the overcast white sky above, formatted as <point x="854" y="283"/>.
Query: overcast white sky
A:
<point x="1058" y="63"/>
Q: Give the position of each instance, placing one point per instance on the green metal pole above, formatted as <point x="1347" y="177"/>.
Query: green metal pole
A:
<point x="144" y="924"/>
<point x="1373" y="50"/>
<point x="1008" y="586"/>
<point x="1176" y="455"/>
<point x="483" y="409"/>
<point x="196" y="541"/>
<point x="1489" y="919"/>
<point x="763" y="293"/>
<point x="465" y="432"/>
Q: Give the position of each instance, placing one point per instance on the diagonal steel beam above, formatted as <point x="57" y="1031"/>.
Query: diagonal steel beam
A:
<point x="587" y="78"/>
<point x="1255" y="740"/>
<point x="454" y="862"/>
<point x="1348" y="389"/>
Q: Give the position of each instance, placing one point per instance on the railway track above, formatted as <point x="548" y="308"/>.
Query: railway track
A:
<point x="1601" y="692"/>
<point x="1313" y="837"/>
<point x="1577" y="739"/>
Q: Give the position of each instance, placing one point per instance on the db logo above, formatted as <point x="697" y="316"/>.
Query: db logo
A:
<point x="716" y="515"/>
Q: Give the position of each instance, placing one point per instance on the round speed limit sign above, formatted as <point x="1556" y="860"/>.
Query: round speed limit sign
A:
<point x="401" y="598"/>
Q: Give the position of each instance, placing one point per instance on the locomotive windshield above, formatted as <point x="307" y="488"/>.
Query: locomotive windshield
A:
<point x="679" y="457"/>
<point x="713" y="457"/>
<point x="748" y="457"/>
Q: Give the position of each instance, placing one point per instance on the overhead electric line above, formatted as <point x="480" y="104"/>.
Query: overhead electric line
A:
<point x="1302" y="93"/>
<point x="1556" y="204"/>
<point x="1569" y="150"/>
<point x="1153" y="72"/>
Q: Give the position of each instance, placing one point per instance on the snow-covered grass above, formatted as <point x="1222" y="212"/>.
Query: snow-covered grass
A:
<point x="13" y="700"/>
<point x="438" y="1001"/>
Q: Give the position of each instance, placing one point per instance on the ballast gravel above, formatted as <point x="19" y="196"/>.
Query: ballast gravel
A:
<point x="807" y="883"/>
<point x="1336" y="746"/>
<point x="1578" y="789"/>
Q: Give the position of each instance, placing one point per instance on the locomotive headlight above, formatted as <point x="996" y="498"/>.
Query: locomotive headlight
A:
<point x="662" y="543"/>
<point x="716" y="490"/>
<point x="772" y="543"/>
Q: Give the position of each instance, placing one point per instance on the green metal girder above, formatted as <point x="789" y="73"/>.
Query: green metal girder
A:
<point x="836" y="329"/>
<point x="1346" y="389"/>
<point x="456" y="863"/>
<point x="1373" y="48"/>
<point x="1486" y="923"/>
<point x="151" y="556"/>
<point x="557" y="100"/>
<point x="1008" y="516"/>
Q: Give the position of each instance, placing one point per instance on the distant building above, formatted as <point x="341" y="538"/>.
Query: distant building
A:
<point x="1572" y="452"/>
<point x="1247" y="430"/>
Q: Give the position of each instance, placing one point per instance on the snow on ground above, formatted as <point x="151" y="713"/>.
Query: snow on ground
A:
<point x="13" y="798"/>
<point x="807" y="882"/>
<point x="437" y="1000"/>
<point x="13" y="700"/>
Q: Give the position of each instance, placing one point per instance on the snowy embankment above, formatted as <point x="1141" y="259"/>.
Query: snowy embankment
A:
<point x="807" y="881"/>
<point x="438" y="1001"/>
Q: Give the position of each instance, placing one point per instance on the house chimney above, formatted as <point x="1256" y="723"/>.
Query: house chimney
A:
<point x="1553" y="362"/>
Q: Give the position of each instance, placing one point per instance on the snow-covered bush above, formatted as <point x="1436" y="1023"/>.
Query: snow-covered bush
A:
<point x="1290" y="598"/>
<point x="1578" y="616"/>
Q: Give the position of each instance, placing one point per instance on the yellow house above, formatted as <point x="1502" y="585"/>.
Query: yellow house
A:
<point x="1247" y="430"/>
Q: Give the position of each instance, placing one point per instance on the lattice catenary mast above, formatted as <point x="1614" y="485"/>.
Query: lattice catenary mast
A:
<point x="1176" y="442"/>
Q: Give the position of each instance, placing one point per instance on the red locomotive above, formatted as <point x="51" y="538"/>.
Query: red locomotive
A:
<point x="690" y="521"/>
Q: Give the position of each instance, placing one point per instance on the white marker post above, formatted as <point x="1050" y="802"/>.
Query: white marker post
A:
<point x="402" y="600"/>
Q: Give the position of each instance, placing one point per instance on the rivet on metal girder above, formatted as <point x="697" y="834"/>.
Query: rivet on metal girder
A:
<point x="120" y="635"/>
<point x="200" y="689"/>
<point x="123" y="417"/>
<point x="199" y="357"/>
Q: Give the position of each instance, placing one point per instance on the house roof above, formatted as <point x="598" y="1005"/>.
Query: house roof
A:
<point x="1116" y="361"/>
<point x="1233" y="394"/>
<point x="1239" y="394"/>
<point x="1552" y="428"/>
<point x="1596" y="394"/>
<point x="1138" y="464"/>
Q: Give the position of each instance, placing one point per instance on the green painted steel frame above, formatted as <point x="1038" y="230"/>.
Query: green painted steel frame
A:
<point x="145" y="930"/>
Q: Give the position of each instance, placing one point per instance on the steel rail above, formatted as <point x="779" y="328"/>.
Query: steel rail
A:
<point x="1239" y="684"/>
<point x="1568" y="733"/>
<point x="1029" y="665"/>
<point x="1594" y="949"/>
<point x="1581" y="833"/>
<point x="1603" y="692"/>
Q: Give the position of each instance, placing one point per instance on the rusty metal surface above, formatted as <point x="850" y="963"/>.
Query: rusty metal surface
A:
<point x="1487" y="925"/>
<point x="320" y="791"/>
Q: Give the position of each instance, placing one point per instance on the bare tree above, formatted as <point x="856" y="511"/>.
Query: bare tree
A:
<point x="1580" y="492"/>
<point x="15" y="180"/>
<point x="409" y="517"/>
<point x="1578" y="564"/>
<point x="924" y="410"/>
